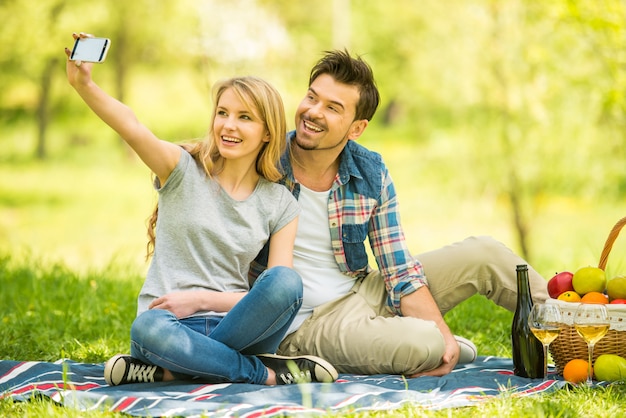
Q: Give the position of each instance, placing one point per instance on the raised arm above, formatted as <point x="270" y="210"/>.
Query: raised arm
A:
<point x="160" y="156"/>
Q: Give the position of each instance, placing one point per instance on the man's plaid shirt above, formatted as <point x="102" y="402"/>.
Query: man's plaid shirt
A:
<point x="362" y="204"/>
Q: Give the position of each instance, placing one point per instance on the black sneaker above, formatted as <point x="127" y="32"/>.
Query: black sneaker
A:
<point x="300" y="369"/>
<point x="121" y="369"/>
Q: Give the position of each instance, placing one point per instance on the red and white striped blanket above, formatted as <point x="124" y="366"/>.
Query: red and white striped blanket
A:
<point x="82" y="386"/>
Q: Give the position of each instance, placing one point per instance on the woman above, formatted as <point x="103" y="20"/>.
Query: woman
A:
<point x="218" y="206"/>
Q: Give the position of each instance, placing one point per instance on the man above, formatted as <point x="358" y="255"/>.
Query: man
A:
<point x="360" y="320"/>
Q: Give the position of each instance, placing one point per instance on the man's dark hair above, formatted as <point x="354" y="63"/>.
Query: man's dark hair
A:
<point x="354" y="72"/>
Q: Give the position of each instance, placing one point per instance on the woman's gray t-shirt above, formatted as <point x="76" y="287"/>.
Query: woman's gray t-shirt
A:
<point x="205" y="238"/>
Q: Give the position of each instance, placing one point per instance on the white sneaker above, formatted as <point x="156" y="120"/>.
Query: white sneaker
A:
<point x="468" y="350"/>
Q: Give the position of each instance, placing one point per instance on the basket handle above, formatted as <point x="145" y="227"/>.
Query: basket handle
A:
<point x="609" y="242"/>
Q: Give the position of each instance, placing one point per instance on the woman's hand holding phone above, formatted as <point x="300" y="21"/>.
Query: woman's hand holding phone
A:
<point x="75" y="64"/>
<point x="88" y="48"/>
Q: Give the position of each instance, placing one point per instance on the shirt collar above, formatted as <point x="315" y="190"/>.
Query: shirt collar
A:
<point x="347" y="165"/>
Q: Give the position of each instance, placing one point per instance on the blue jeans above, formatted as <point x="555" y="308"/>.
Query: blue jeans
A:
<point x="222" y="349"/>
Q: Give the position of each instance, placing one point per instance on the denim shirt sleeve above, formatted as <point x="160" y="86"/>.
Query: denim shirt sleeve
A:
<point x="402" y="273"/>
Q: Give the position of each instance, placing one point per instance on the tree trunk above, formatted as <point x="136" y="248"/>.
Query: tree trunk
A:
<point x="521" y="226"/>
<point x="43" y="108"/>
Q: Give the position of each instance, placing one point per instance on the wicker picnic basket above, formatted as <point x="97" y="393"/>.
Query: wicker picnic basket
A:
<point x="569" y="345"/>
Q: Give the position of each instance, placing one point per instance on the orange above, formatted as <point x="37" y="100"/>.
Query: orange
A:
<point x="575" y="371"/>
<point x="595" y="297"/>
<point x="569" y="296"/>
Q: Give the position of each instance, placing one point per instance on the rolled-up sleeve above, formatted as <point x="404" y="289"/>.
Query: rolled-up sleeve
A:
<point x="402" y="273"/>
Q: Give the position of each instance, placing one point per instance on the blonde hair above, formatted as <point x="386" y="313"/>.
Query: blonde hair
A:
<point x="262" y="99"/>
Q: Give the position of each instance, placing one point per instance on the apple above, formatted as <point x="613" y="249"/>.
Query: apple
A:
<point x="589" y="279"/>
<point x="618" y="302"/>
<point x="560" y="283"/>
<point x="616" y="288"/>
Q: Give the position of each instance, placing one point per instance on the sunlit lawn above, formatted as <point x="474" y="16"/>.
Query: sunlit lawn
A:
<point x="91" y="208"/>
<point x="49" y="312"/>
<point x="72" y="240"/>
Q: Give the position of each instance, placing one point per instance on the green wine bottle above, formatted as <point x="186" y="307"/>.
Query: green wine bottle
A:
<point x="527" y="350"/>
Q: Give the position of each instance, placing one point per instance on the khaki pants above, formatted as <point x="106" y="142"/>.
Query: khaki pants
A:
<point x="358" y="334"/>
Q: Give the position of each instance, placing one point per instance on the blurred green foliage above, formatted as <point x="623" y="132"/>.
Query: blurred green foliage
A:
<point x="519" y="103"/>
<point x="532" y="83"/>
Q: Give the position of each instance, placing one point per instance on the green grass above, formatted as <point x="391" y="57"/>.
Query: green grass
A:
<point x="49" y="312"/>
<point x="72" y="243"/>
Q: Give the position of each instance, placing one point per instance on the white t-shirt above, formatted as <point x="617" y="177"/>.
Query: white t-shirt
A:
<point x="313" y="257"/>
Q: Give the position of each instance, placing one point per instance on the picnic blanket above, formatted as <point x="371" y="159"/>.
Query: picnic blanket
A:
<point x="82" y="386"/>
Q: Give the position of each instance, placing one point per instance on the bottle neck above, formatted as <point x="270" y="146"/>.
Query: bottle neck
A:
<point x="523" y="285"/>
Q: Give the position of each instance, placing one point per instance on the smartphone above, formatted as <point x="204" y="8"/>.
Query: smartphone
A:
<point x="90" y="49"/>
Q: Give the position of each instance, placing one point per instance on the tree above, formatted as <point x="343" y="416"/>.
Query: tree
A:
<point x="603" y="28"/>
<point x="22" y="70"/>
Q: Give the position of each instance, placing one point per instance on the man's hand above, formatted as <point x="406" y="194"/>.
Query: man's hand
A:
<point x="420" y="304"/>
<point x="449" y="360"/>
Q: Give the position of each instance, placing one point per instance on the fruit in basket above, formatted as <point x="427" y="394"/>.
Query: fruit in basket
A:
<point x="610" y="368"/>
<point x="618" y="302"/>
<point x="559" y="283"/>
<point x="569" y="296"/>
<point x="595" y="297"/>
<point x="576" y="370"/>
<point x="616" y="288"/>
<point x="589" y="279"/>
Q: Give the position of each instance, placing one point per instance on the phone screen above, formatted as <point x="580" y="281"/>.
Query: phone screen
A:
<point x="90" y="49"/>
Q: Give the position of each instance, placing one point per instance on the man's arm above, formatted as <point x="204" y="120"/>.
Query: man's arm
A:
<point x="420" y="304"/>
<point x="408" y="291"/>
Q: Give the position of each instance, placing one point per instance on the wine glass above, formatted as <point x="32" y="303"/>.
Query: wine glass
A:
<point x="592" y="323"/>
<point x="545" y="323"/>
